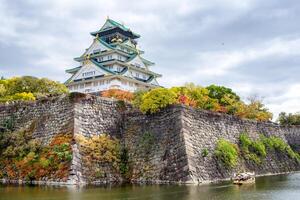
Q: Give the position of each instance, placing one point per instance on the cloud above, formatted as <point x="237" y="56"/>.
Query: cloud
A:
<point x="252" y="46"/>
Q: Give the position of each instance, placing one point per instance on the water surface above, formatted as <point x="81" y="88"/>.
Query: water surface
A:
<point x="273" y="187"/>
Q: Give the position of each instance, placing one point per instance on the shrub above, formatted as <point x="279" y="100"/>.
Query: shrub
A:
<point x="289" y="119"/>
<point x="28" y="88"/>
<point x="204" y="153"/>
<point x="100" y="152"/>
<point x="138" y="98"/>
<point x="252" y="150"/>
<point x="23" y="157"/>
<point x="278" y="144"/>
<point x="214" y="98"/>
<point x="118" y="94"/>
<point x="227" y="153"/>
<point x="156" y="99"/>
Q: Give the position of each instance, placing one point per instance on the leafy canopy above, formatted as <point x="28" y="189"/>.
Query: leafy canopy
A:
<point x="289" y="119"/>
<point x="28" y="88"/>
<point x="214" y="98"/>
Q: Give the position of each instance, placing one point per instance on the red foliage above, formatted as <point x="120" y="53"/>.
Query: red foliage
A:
<point x="185" y="100"/>
<point x="118" y="94"/>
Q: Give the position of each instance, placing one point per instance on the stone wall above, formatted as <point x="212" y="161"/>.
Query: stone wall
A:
<point x="202" y="130"/>
<point x="51" y="116"/>
<point x="164" y="147"/>
<point x="156" y="147"/>
<point x="94" y="116"/>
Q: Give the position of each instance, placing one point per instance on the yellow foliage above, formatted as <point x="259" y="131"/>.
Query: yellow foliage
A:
<point x="101" y="149"/>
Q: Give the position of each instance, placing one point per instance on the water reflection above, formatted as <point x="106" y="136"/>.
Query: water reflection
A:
<point x="273" y="187"/>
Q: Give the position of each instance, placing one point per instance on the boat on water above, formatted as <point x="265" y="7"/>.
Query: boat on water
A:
<point x="244" y="178"/>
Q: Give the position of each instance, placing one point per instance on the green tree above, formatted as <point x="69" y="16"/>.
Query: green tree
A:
<point x="28" y="88"/>
<point x="289" y="119"/>
<point x="224" y="95"/>
<point x="156" y="99"/>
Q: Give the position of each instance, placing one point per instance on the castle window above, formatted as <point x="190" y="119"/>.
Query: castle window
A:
<point x="100" y="59"/>
<point x="96" y="51"/>
<point x="81" y="86"/>
<point x="120" y="58"/>
<point x="137" y="75"/>
<point x="109" y="57"/>
<point x="75" y="87"/>
<point x="96" y="83"/>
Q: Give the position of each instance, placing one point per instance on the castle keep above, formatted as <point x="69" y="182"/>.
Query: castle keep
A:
<point x="112" y="61"/>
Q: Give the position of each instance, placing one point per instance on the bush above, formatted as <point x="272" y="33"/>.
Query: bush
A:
<point x="23" y="157"/>
<point x="29" y="88"/>
<point x="214" y="98"/>
<point x="100" y="152"/>
<point x="156" y="99"/>
<point x="289" y="119"/>
<point x="227" y="153"/>
<point x="118" y="94"/>
<point x="252" y="150"/>
<point x="204" y="153"/>
<point x="278" y="144"/>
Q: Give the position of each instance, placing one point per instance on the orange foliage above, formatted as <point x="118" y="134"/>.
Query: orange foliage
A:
<point x="52" y="161"/>
<point x="185" y="100"/>
<point x="118" y="94"/>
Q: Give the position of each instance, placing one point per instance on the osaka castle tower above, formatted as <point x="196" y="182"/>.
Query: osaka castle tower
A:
<point x="113" y="61"/>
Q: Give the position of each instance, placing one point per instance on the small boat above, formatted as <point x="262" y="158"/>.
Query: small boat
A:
<point x="244" y="178"/>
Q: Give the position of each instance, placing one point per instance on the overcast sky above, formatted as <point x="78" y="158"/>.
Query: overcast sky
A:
<point x="252" y="46"/>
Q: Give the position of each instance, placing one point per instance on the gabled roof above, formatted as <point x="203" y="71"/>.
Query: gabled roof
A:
<point x="73" y="70"/>
<point x="145" y="61"/>
<point x="102" y="67"/>
<point x="114" y="24"/>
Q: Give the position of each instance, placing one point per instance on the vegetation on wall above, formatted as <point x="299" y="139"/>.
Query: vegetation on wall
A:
<point x="214" y="98"/>
<point x="28" y="88"/>
<point x="22" y="157"/>
<point x="289" y="119"/>
<point x="204" y="153"/>
<point x="101" y="153"/>
<point x="118" y="94"/>
<point x="252" y="150"/>
<point x="279" y="145"/>
<point x="227" y="153"/>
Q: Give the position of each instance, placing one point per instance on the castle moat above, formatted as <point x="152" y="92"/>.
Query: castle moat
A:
<point x="271" y="187"/>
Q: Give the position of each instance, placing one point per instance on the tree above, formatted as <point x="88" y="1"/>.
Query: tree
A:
<point x="289" y="119"/>
<point x="254" y="110"/>
<point x="29" y="88"/>
<point x="224" y="95"/>
<point x="156" y="99"/>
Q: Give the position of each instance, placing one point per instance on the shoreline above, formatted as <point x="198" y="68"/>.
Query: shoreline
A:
<point x="7" y="182"/>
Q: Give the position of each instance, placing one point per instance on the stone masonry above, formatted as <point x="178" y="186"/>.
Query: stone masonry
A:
<point x="162" y="148"/>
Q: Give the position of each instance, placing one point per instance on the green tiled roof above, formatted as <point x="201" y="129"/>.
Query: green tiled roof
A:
<point x="102" y="67"/>
<point x="116" y="24"/>
<point x="73" y="70"/>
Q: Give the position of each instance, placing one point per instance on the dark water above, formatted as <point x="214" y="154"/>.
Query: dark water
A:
<point x="274" y="187"/>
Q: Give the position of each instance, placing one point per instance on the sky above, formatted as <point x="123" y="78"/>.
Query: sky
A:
<point x="251" y="46"/>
